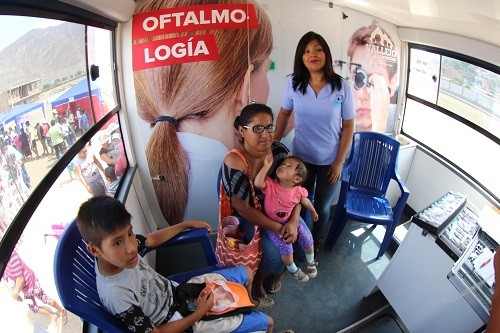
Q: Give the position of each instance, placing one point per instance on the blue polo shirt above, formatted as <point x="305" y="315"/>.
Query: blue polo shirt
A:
<point x="318" y="120"/>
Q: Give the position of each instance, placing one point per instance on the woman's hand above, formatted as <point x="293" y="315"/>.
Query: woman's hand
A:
<point x="379" y="102"/>
<point x="335" y="172"/>
<point x="494" y="322"/>
<point x="496" y="266"/>
<point x="289" y="232"/>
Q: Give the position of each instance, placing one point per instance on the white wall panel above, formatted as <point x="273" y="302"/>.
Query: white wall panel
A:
<point x="428" y="180"/>
<point x="464" y="45"/>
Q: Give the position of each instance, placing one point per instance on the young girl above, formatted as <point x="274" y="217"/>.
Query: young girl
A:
<point x="27" y="282"/>
<point x="281" y="196"/>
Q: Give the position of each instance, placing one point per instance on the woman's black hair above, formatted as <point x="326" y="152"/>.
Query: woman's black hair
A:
<point x="249" y="111"/>
<point x="301" y="74"/>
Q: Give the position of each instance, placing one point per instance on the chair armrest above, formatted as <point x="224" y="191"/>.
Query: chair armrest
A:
<point x="192" y="236"/>
<point x="402" y="186"/>
<point x="344" y="183"/>
<point x="345" y="174"/>
<point x="400" y="204"/>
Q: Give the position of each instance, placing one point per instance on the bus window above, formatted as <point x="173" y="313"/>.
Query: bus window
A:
<point x="48" y="102"/>
<point x="452" y="107"/>
<point x="101" y="68"/>
<point x="45" y="104"/>
<point x="471" y="92"/>
<point x="37" y="244"/>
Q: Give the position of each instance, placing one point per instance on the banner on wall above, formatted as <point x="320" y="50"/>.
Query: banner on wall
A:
<point x="190" y="64"/>
<point x="189" y="48"/>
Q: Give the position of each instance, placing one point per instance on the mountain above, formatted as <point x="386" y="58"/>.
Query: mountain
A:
<point x="52" y="53"/>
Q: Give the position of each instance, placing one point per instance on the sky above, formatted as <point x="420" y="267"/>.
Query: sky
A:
<point x="14" y="27"/>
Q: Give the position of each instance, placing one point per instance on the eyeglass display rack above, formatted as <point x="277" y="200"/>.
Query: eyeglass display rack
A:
<point x="438" y="215"/>
<point x="459" y="233"/>
<point x="434" y="282"/>
<point x="466" y="277"/>
<point x="453" y="223"/>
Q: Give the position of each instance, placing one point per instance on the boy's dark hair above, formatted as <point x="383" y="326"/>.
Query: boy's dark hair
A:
<point x="301" y="169"/>
<point x="100" y="216"/>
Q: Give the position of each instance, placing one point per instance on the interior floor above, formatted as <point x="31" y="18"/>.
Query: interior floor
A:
<point x="336" y="300"/>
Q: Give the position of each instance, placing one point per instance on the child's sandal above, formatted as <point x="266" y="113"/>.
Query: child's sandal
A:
<point x="265" y="302"/>
<point x="63" y="315"/>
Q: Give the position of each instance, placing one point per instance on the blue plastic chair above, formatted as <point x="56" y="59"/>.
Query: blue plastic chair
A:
<point x="74" y="274"/>
<point x="365" y="178"/>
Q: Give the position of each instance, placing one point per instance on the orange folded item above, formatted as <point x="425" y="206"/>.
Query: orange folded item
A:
<point x="228" y="296"/>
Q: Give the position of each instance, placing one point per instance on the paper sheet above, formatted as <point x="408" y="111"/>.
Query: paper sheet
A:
<point x="483" y="265"/>
<point x="489" y="220"/>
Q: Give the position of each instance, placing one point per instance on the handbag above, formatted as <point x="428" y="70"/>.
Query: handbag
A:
<point x="249" y="255"/>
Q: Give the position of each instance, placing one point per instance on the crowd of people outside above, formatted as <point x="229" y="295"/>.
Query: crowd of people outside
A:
<point x="47" y="139"/>
<point x="21" y="171"/>
<point x="15" y="182"/>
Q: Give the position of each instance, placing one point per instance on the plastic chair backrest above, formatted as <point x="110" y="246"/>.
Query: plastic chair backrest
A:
<point x="372" y="162"/>
<point x="75" y="281"/>
<point x="219" y="178"/>
<point x="74" y="274"/>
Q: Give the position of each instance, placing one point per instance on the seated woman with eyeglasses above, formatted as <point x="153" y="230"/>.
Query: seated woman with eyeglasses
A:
<point x="255" y="129"/>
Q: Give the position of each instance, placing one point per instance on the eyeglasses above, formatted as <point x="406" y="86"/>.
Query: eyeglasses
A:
<point x="360" y="78"/>
<point x="260" y="128"/>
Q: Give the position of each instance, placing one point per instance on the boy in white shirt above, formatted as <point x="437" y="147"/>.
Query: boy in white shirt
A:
<point x="130" y="289"/>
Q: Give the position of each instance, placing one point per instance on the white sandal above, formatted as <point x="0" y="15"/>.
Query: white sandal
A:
<point x="265" y="302"/>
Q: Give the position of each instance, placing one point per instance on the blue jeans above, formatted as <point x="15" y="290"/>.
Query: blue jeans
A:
<point x="322" y="191"/>
<point x="254" y="321"/>
<point x="271" y="258"/>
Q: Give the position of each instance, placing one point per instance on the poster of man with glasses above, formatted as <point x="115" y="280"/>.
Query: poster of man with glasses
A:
<point x="373" y="70"/>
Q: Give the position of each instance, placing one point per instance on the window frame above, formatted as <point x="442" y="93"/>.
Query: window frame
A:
<point x="64" y="12"/>
<point x="457" y="56"/>
<point x="470" y="60"/>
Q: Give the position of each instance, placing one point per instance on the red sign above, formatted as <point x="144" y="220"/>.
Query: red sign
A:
<point x="174" y="51"/>
<point x="173" y="20"/>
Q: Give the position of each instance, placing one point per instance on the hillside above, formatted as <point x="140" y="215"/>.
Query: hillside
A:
<point x="52" y="53"/>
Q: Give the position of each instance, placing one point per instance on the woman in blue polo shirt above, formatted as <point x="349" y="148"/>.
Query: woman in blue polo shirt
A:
<point x="323" y="106"/>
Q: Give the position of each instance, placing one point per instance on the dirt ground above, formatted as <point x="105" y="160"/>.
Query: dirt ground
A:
<point x="37" y="247"/>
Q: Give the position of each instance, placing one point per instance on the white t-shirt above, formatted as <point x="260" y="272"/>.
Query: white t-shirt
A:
<point x="90" y="171"/>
